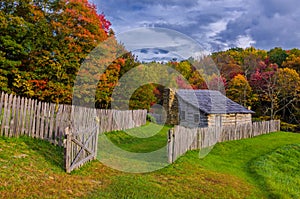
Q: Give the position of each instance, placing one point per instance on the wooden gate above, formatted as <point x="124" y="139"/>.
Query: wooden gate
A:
<point x="80" y="147"/>
<point x="81" y="138"/>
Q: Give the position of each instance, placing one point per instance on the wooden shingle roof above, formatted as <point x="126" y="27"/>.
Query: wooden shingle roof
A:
<point x="211" y="102"/>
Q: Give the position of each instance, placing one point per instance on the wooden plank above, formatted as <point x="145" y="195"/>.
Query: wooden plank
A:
<point x="38" y="120"/>
<point x="46" y="121"/>
<point x="96" y="140"/>
<point x="5" y="108"/>
<point x="42" y="121"/>
<point x="83" y="146"/>
<point x="170" y="145"/>
<point x="17" y="120"/>
<point x="22" y="116"/>
<point x="8" y="115"/>
<point x="67" y="150"/>
<point x="29" y="117"/>
<point x="33" y="119"/>
<point x="65" y="122"/>
<point x="81" y="162"/>
<point x="58" y="123"/>
<point x="52" y="123"/>
<point x="12" y="121"/>
<point x="1" y="111"/>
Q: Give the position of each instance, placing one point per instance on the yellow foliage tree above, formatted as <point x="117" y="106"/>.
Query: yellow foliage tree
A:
<point x="240" y="91"/>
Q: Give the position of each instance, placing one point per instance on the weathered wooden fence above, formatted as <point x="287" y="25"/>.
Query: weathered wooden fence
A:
<point x="48" y="121"/>
<point x="22" y="116"/>
<point x="182" y="139"/>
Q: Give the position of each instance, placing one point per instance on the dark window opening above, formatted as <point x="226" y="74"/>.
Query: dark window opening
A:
<point x="182" y="115"/>
<point x="196" y="118"/>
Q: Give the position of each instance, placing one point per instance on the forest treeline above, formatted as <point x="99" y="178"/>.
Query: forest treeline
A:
<point x="43" y="43"/>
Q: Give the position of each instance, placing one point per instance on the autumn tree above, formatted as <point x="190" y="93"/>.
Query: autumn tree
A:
<point x="287" y="93"/>
<point x="190" y="76"/>
<point x="227" y="66"/>
<point x="293" y="62"/>
<point x="263" y="81"/>
<point x="239" y="90"/>
<point x="238" y="61"/>
<point x="108" y="81"/>
<point x="143" y="97"/>
<point x="13" y="44"/>
<point x="277" y="55"/>
<point x="251" y="57"/>
<point x="78" y="29"/>
<point x="216" y="82"/>
<point x="43" y="44"/>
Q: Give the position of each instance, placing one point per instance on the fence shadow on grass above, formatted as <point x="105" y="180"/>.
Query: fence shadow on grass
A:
<point x="53" y="155"/>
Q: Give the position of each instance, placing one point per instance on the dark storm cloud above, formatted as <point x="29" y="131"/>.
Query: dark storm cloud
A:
<point x="269" y="22"/>
<point x="217" y="24"/>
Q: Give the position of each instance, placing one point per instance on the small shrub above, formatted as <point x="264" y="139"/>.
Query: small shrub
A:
<point x="256" y="119"/>
<point x="150" y="118"/>
<point x="289" y="127"/>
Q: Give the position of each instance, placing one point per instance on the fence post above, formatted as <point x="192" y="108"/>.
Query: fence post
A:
<point x="97" y="135"/>
<point x="67" y="149"/>
<point x="278" y="125"/>
<point x="170" y="145"/>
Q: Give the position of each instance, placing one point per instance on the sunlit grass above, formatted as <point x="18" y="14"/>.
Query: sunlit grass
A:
<point x="279" y="172"/>
<point x="150" y="138"/>
<point x="30" y="168"/>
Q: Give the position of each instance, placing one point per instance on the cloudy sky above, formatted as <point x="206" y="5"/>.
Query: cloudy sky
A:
<point x="215" y="24"/>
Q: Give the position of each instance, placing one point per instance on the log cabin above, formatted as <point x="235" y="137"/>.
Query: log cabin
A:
<point x="202" y="108"/>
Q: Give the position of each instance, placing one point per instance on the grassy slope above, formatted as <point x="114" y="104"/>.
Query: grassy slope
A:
<point x="278" y="172"/>
<point x="32" y="168"/>
<point x="237" y="157"/>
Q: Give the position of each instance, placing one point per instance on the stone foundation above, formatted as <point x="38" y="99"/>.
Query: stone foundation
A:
<point x="170" y="104"/>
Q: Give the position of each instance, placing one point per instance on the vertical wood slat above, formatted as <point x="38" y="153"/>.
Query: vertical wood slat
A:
<point x="12" y="118"/>
<point x="38" y="120"/>
<point x="1" y="108"/>
<point x="29" y="117"/>
<point x="51" y="123"/>
<point x="46" y="121"/>
<point x="42" y="120"/>
<point x="67" y="151"/>
<point x="22" y="116"/>
<point x="1" y="111"/>
<point x="33" y="118"/>
<point x="57" y="123"/>
<point x="8" y="115"/>
<point x="170" y="145"/>
<point x="16" y="117"/>
<point x="3" y="131"/>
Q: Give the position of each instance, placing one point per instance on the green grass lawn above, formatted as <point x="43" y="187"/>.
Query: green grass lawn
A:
<point x="279" y="172"/>
<point x="146" y="139"/>
<point x="263" y="167"/>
